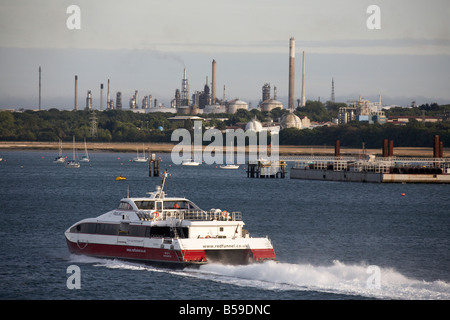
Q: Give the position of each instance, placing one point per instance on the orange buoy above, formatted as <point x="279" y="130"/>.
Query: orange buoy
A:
<point x="403" y="194"/>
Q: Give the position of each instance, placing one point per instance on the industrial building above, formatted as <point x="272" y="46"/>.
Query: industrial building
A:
<point x="206" y="101"/>
<point x="362" y="110"/>
<point x="268" y="104"/>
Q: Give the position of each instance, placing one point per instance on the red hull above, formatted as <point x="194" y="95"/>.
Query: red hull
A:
<point x="182" y="257"/>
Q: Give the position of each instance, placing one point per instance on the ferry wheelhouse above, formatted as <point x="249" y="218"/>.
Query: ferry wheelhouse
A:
<point x="169" y="230"/>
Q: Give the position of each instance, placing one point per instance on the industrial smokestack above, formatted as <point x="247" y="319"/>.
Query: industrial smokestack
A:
<point x="291" y="73"/>
<point x="76" y="93"/>
<point x="39" y="87"/>
<point x="89" y="100"/>
<point x="101" y="96"/>
<point x="184" y="90"/>
<point x="303" y="81"/>
<point x="108" y="98"/>
<point x="213" y="89"/>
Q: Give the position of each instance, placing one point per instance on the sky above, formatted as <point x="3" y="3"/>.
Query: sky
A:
<point x="144" y="45"/>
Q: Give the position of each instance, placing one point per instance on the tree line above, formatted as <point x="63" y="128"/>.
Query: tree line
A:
<point x="127" y="126"/>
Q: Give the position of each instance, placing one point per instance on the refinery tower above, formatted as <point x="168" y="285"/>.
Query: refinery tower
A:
<point x="291" y="73"/>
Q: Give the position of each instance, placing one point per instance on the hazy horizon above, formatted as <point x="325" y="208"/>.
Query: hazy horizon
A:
<point x="145" y="45"/>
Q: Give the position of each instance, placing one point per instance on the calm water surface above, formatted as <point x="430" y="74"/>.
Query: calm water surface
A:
<point x="325" y="234"/>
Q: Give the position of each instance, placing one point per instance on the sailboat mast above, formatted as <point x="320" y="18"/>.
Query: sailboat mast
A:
<point x="73" y="147"/>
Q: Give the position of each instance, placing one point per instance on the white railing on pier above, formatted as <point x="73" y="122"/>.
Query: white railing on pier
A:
<point x="372" y="164"/>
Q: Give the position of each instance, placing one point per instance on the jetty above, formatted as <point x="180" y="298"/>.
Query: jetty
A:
<point x="266" y="169"/>
<point x="370" y="168"/>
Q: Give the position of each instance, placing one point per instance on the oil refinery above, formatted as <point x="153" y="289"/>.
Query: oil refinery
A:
<point x="205" y="101"/>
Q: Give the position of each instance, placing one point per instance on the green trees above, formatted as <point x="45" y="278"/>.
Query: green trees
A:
<point x="114" y="125"/>
<point x="127" y="126"/>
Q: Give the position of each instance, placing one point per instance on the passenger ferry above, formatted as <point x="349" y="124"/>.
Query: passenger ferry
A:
<point x="168" y="230"/>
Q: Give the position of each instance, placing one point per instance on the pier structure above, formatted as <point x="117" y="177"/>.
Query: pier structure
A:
<point x="369" y="168"/>
<point x="373" y="169"/>
<point x="153" y="166"/>
<point x="266" y="169"/>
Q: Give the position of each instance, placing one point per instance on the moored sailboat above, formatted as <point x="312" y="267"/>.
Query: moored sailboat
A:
<point x="59" y="158"/>
<point x="85" y="158"/>
<point x="73" y="163"/>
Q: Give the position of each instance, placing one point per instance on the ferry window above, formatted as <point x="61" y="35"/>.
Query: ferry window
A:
<point x="137" y="231"/>
<point x="145" y="205"/>
<point x="86" y="228"/>
<point x="176" y="205"/>
<point x="125" y="206"/>
<point x="107" y="229"/>
<point x="191" y="206"/>
<point x="160" y="232"/>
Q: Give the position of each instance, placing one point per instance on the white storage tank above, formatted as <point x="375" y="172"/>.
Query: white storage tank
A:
<point x="237" y="104"/>
<point x="270" y="104"/>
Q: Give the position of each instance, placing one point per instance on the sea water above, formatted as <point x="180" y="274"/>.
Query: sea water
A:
<point x="333" y="240"/>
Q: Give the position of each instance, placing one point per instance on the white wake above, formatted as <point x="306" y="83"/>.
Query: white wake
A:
<point x="338" y="278"/>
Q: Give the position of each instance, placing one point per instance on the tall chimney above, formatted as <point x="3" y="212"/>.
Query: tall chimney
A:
<point x="108" y="98"/>
<point x="303" y="82"/>
<point x="101" y="96"/>
<point x="291" y="73"/>
<point x="213" y="89"/>
<point x="39" y="87"/>
<point x="76" y="93"/>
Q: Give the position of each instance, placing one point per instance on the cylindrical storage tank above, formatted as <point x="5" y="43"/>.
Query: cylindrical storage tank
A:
<point x="270" y="104"/>
<point x="237" y="104"/>
<point x="183" y="109"/>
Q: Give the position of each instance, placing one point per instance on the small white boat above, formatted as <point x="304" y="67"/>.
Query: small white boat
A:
<point x="138" y="158"/>
<point x="230" y="161"/>
<point x="73" y="163"/>
<point x="189" y="162"/>
<point x="85" y="158"/>
<point x="59" y="158"/>
<point x="229" y="166"/>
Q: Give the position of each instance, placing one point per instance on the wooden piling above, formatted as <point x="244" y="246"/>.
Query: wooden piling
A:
<point x="153" y="166"/>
